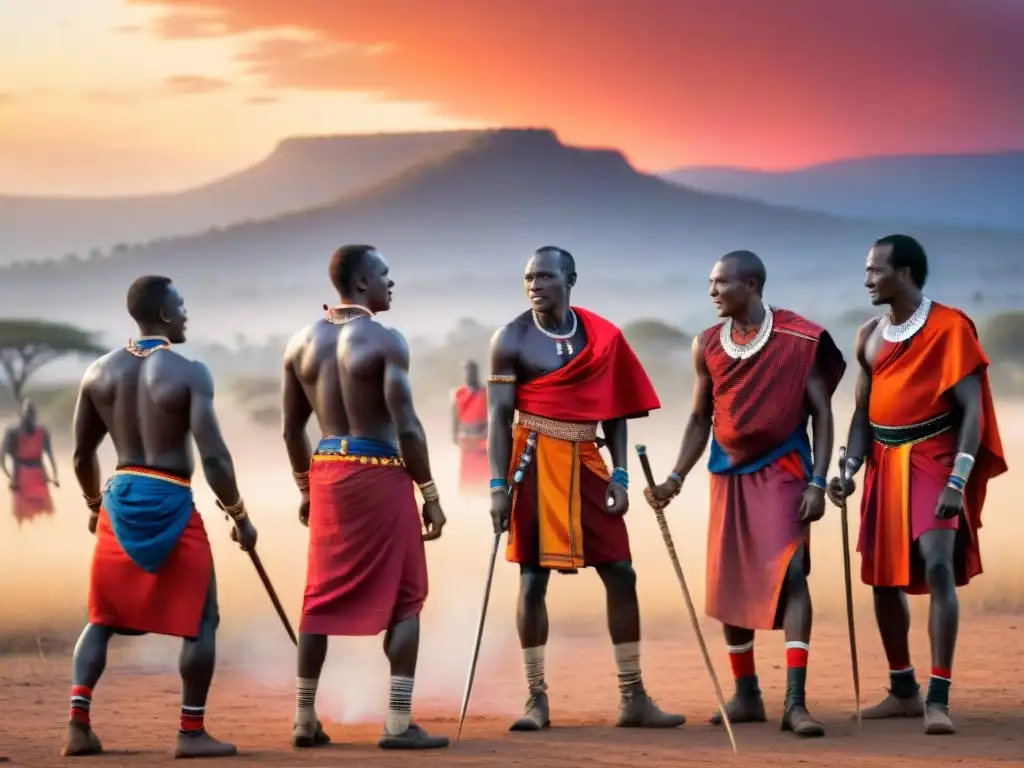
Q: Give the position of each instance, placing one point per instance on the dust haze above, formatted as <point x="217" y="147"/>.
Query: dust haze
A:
<point x="44" y="569"/>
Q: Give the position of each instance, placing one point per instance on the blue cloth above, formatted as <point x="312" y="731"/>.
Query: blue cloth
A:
<point x="148" y="515"/>
<point x="356" y="446"/>
<point x="719" y="462"/>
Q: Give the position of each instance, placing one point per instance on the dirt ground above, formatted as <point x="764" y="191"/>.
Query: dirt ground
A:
<point x="135" y="710"/>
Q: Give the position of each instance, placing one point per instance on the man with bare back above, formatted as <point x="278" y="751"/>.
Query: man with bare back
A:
<point x="559" y="371"/>
<point x="367" y="569"/>
<point x="152" y="568"/>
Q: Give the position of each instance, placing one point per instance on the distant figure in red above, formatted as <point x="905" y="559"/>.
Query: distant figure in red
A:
<point x="469" y="430"/>
<point x="25" y="445"/>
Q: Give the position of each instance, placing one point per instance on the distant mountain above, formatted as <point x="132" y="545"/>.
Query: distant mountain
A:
<point x="458" y="227"/>
<point x="984" y="190"/>
<point x="299" y="173"/>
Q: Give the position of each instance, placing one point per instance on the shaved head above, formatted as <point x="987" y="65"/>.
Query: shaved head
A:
<point x="566" y="259"/>
<point x="748" y="266"/>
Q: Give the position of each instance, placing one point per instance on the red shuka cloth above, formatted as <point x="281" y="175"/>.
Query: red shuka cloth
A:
<point x="32" y="496"/>
<point x="170" y="602"/>
<point x="604" y="381"/>
<point x="759" y="402"/>
<point x="366" y="568"/>
<point x="474" y="467"/>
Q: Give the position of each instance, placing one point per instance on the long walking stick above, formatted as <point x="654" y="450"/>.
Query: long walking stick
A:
<point x="524" y="461"/>
<point x="670" y="546"/>
<point x="844" y="517"/>
<point x="261" y="571"/>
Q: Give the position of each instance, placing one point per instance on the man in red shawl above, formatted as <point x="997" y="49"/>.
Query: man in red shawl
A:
<point x="925" y="429"/>
<point x="25" y="445"/>
<point x="760" y="375"/>
<point x="469" y="429"/>
<point x="366" y="566"/>
<point x="559" y="371"/>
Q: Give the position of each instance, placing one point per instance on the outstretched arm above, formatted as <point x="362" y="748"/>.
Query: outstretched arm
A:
<point x="412" y="439"/>
<point x="501" y="400"/>
<point x="296" y="410"/>
<point x="698" y="427"/>
<point x="216" y="458"/>
<point x="89" y="431"/>
<point x="819" y="405"/>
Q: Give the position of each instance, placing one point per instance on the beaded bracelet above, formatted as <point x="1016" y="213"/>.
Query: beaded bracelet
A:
<point x="236" y="511"/>
<point x="819" y="482"/>
<point x="429" y="491"/>
<point x="301" y="480"/>
<point x="620" y="476"/>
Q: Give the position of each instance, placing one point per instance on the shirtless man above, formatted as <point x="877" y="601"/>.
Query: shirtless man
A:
<point x="560" y="370"/>
<point x="152" y="569"/>
<point x="367" y="569"/>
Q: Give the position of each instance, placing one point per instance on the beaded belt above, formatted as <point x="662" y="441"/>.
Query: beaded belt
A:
<point x="362" y="450"/>
<point x="572" y="431"/>
<point x="914" y="433"/>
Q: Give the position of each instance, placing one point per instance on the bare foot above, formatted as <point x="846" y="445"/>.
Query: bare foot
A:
<point x="202" y="744"/>
<point x="80" y="740"/>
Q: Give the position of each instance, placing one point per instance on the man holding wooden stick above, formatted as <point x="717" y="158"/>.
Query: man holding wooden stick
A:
<point x="760" y="374"/>
<point x="560" y="370"/>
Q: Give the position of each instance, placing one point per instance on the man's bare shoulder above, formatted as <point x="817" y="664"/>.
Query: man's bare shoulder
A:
<point x="512" y="333"/>
<point x="389" y="341"/>
<point x="866" y="329"/>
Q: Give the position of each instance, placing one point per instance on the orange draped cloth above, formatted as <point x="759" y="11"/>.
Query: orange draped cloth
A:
<point x="911" y="394"/>
<point x="471" y="407"/>
<point x="32" y="494"/>
<point x="558" y="511"/>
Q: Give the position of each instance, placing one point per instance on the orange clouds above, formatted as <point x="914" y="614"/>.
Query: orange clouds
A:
<point x="670" y="81"/>
<point x="191" y="85"/>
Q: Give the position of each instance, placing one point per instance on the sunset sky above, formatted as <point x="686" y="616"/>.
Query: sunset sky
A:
<point x="125" y="96"/>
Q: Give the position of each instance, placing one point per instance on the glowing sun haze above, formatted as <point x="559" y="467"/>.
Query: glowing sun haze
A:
<point x="118" y="96"/>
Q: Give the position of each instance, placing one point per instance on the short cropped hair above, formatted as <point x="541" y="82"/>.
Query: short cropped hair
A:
<point x="907" y="252"/>
<point x="147" y="297"/>
<point x="749" y="267"/>
<point x="567" y="260"/>
<point x="346" y="265"/>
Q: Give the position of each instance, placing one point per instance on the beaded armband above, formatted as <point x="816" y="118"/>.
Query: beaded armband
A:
<point x="499" y="378"/>
<point x="499" y="484"/>
<point x="429" y="491"/>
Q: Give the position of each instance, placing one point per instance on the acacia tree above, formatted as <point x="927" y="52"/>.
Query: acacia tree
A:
<point x="28" y="345"/>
